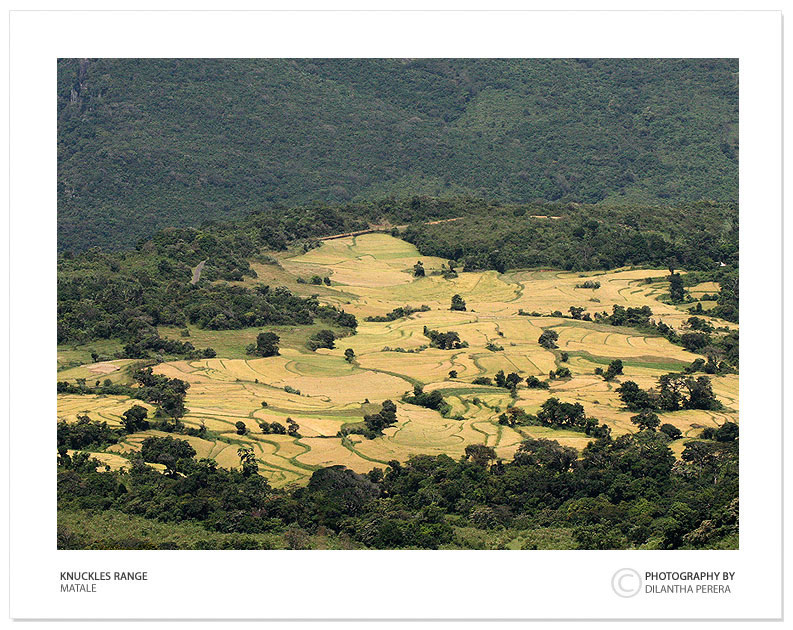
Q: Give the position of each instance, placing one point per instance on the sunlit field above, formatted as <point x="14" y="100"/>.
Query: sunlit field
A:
<point x="370" y="275"/>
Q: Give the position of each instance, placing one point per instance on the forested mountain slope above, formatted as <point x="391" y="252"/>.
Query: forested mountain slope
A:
<point x="146" y="144"/>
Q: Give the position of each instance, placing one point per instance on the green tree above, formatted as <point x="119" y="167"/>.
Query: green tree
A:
<point x="646" y="420"/>
<point x="267" y="344"/>
<point x="480" y="454"/>
<point x="548" y="339"/>
<point x="677" y="292"/>
<point x="247" y="461"/>
<point x="671" y="430"/>
<point x="134" y="419"/>
<point x="322" y="339"/>
<point x="458" y="304"/>
<point x="614" y="368"/>
<point x="727" y="432"/>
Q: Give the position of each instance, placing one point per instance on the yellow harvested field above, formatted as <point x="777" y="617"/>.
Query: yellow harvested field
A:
<point x="372" y="274"/>
<point x="331" y="451"/>
<point x="101" y="408"/>
<point x="115" y="462"/>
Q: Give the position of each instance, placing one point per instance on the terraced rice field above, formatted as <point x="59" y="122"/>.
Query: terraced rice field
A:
<point x="371" y="274"/>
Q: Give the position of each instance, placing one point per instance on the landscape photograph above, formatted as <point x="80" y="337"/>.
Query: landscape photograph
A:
<point x="351" y="304"/>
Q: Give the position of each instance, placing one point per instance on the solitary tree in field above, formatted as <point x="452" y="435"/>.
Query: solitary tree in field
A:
<point x="322" y="339"/>
<point x="671" y="430"/>
<point x="349" y="355"/>
<point x="418" y="269"/>
<point x="548" y="339"/>
<point x="615" y="367"/>
<point x="241" y="428"/>
<point x="512" y="380"/>
<point x="458" y="304"/>
<point x="266" y="344"/>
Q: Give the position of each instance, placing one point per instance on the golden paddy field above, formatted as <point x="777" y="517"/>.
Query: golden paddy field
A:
<point x="371" y="274"/>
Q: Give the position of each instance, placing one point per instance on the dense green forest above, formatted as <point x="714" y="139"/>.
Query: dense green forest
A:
<point x="628" y="492"/>
<point x="152" y="143"/>
<point x="697" y="235"/>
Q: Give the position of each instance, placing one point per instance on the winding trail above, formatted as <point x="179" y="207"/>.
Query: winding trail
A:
<point x="197" y="271"/>
<point x="380" y="228"/>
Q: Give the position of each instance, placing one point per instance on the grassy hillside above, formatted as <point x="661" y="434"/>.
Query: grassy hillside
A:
<point x="145" y="144"/>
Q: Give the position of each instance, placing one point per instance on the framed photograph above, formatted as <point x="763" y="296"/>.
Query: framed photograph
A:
<point x="446" y="302"/>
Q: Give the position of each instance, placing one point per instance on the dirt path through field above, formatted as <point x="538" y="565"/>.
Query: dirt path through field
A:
<point x="378" y="228"/>
<point x="197" y="272"/>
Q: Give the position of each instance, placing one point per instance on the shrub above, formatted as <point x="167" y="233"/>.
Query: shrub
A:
<point x="548" y="339"/>
<point x="671" y="430"/>
<point x="322" y="339"/>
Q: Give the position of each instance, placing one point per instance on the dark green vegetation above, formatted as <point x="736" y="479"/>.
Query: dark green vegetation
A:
<point x="178" y="142"/>
<point x="698" y="235"/>
<point x="449" y="340"/>
<point x="322" y="339"/>
<point x="266" y="345"/>
<point x="548" y="339"/>
<point x="125" y="296"/>
<point x="398" y="313"/>
<point x="721" y="349"/>
<point x="458" y="303"/>
<point x="557" y="415"/>
<point x="621" y="493"/>
<point x="674" y="392"/>
<point x="430" y="400"/>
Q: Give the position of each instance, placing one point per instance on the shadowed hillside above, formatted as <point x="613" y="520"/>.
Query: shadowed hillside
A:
<point x="145" y="144"/>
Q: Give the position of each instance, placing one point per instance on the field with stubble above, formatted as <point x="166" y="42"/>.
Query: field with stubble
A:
<point x="370" y="275"/>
